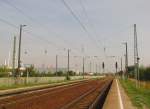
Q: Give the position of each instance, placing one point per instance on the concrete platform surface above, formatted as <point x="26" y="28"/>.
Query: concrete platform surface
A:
<point x="117" y="98"/>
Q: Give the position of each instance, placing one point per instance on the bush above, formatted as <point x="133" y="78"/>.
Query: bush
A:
<point x="4" y="71"/>
<point x="131" y="72"/>
<point x="68" y="78"/>
<point x="59" y="73"/>
<point x="72" y="73"/>
<point x="3" y="74"/>
<point x="144" y="73"/>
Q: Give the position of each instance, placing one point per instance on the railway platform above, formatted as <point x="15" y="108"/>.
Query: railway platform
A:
<point x="117" y="98"/>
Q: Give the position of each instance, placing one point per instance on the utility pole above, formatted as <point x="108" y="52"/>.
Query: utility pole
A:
<point x="56" y="64"/>
<point x="27" y="69"/>
<point x="121" y="68"/>
<point x="90" y="67"/>
<point x="99" y="67"/>
<point x="126" y="59"/>
<point x="45" y="58"/>
<point x="8" y="61"/>
<point x="121" y="64"/>
<point x="136" y="57"/>
<point x="83" y="66"/>
<point x="19" y="51"/>
<point x="96" y="68"/>
<point x="82" y="50"/>
<point x="14" y="57"/>
<point x="67" y="77"/>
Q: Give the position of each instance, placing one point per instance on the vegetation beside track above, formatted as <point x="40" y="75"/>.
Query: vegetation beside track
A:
<point x="144" y="73"/>
<point x="14" y="86"/>
<point x="140" y="97"/>
<point x="53" y="83"/>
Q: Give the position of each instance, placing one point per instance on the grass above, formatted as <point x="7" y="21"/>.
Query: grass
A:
<point x="14" y="86"/>
<point x="4" y="87"/>
<point x="24" y="85"/>
<point x="145" y="84"/>
<point x="140" y="97"/>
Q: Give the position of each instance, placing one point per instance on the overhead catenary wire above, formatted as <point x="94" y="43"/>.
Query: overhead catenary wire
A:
<point x="36" y="36"/>
<point x="8" y="23"/>
<point x="19" y="10"/>
<point x="30" y="33"/>
<point x="90" y="24"/>
<point x="66" y="42"/>
<point x="85" y="12"/>
<point x="35" y="21"/>
<point x="79" y="21"/>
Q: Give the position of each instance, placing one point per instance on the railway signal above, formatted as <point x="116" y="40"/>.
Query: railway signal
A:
<point x="116" y="65"/>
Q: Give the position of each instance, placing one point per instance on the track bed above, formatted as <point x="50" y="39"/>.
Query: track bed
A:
<point x="83" y="95"/>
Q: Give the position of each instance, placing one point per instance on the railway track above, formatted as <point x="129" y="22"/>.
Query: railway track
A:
<point x="14" y="96"/>
<point x="36" y="88"/>
<point x="82" y="95"/>
<point x="93" y="99"/>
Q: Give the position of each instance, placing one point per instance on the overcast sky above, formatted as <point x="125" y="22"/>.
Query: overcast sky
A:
<point x="108" y="23"/>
